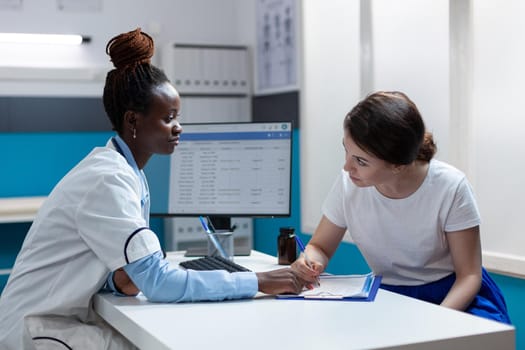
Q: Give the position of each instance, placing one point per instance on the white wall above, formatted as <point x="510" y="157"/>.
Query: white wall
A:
<point x="195" y="21"/>
<point x="461" y="61"/>
<point x="499" y="124"/>
<point x="407" y="50"/>
<point x="330" y="87"/>
<point x="411" y="54"/>
<point x="468" y="89"/>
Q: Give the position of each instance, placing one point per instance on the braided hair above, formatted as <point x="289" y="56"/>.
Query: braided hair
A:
<point x="129" y="86"/>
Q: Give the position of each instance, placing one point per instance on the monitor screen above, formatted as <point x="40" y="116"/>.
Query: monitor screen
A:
<point x="232" y="169"/>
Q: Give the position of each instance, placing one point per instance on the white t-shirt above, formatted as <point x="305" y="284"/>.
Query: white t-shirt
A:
<point x="87" y="222"/>
<point x="404" y="239"/>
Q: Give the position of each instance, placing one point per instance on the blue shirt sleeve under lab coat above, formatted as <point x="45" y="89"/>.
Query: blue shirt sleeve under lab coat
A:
<point x="161" y="282"/>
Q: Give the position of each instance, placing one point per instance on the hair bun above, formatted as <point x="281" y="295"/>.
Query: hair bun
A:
<point x="130" y="49"/>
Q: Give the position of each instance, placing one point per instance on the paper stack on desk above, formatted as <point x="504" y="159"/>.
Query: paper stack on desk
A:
<point x="341" y="287"/>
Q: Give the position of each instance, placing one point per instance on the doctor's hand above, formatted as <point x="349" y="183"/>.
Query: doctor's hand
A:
<point x="281" y="281"/>
<point x="308" y="271"/>
<point x="124" y="284"/>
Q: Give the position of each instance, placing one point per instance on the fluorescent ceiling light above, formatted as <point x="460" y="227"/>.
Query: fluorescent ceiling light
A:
<point x="54" y="39"/>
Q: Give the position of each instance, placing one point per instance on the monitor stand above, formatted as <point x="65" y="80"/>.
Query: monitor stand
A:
<point x="220" y="222"/>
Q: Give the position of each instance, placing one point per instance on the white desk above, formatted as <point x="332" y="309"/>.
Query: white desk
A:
<point x="392" y="321"/>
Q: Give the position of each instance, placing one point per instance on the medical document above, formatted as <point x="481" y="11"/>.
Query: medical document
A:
<point x="341" y="287"/>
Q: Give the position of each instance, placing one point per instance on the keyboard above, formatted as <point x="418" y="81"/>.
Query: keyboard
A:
<point x="207" y="263"/>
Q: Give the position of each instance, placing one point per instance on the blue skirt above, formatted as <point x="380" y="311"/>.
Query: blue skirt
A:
<point x="488" y="303"/>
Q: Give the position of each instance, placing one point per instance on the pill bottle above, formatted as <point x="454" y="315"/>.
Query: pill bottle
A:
<point x="286" y="246"/>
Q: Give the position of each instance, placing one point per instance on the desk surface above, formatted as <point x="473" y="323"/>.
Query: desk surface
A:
<point x="392" y="321"/>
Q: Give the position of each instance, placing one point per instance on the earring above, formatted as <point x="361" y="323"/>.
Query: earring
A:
<point x="134" y="133"/>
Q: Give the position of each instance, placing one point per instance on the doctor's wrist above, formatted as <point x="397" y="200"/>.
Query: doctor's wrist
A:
<point x="123" y="284"/>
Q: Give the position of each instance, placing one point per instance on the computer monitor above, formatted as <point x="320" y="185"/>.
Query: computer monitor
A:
<point x="232" y="169"/>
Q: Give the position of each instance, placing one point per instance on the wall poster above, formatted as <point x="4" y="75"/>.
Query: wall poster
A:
<point x="277" y="46"/>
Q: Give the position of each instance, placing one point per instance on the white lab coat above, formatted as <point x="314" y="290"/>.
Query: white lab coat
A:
<point x="92" y="223"/>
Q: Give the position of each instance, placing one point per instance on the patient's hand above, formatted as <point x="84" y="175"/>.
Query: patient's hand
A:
<point x="124" y="284"/>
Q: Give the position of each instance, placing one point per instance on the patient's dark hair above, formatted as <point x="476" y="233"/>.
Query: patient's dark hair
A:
<point x="130" y="85"/>
<point x="389" y="126"/>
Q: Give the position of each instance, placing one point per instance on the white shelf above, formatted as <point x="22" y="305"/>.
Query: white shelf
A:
<point x="19" y="209"/>
<point x="4" y="272"/>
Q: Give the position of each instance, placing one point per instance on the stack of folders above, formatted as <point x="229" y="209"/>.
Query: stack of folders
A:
<point x="341" y="287"/>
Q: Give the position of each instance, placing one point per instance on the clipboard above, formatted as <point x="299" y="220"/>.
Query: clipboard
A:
<point x="342" y="288"/>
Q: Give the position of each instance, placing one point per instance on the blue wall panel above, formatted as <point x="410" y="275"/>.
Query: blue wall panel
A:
<point x="32" y="163"/>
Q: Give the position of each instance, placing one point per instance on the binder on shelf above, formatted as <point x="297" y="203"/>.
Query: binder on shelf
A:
<point x="221" y="70"/>
<point x="341" y="287"/>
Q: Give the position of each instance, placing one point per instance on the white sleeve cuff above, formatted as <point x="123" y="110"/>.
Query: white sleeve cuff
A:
<point x="141" y="243"/>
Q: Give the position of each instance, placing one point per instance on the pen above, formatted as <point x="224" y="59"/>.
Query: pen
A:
<point x="210" y="224"/>
<point x="303" y="250"/>
<point x="213" y="238"/>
